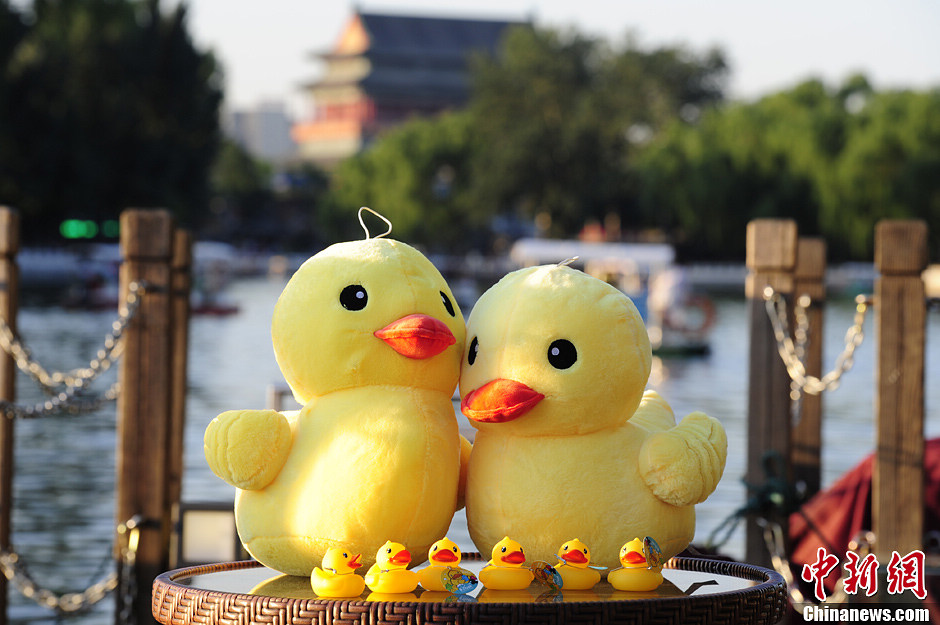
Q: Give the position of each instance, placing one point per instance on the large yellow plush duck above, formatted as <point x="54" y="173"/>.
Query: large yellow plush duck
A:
<point x="637" y="574"/>
<point x="338" y="576"/>
<point x="568" y="444"/>
<point x="504" y="570"/>
<point x="390" y="573"/>
<point x="574" y="566"/>
<point x="369" y="337"/>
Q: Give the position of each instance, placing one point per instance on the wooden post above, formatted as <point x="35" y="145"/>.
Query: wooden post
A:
<point x="900" y="320"/>
<point x="144" y="404"/>
<point x="181" y="285"/>
<point x="771" y="257"/>
<point x="9" y="292"/>
<point x="806" y="435"/>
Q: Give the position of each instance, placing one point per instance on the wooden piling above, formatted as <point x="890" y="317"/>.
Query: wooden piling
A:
<point x="9" y="293"/>
<point x="900" y="322"/>
<point x="806" y="435"/>
<point x="144" y="404"/>
<point x="181" y="286"/>
<point x="771" y="257"/>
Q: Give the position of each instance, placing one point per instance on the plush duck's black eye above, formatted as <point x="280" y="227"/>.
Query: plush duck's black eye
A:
<point x="448" y="306"/>
<point x="353" y="297"/>
<point x="562" y="354"/>
<point x="472" y="352"/>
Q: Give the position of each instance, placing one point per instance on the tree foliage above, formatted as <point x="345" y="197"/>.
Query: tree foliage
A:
<point x="107" y="105"/>
<point x="835" y="160"/>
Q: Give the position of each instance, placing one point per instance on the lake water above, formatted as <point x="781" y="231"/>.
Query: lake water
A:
<point x="64" y="481"/>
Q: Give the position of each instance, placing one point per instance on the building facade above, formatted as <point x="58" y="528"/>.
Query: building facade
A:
<point x="384" y="70"/>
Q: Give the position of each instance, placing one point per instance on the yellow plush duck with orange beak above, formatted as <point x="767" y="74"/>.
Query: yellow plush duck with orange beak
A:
<point x="568" y="444"/>
<point x="369" y="337"/>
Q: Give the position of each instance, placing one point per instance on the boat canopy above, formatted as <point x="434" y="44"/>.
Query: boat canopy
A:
<point x="646" y="257"/>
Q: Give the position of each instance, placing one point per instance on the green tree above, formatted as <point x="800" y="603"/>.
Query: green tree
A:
<point x="559" y="117"/>
<point x="416" y="176"/>
<point x="109" y="105"/>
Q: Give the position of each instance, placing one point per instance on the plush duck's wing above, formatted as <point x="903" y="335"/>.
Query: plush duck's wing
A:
<point x="653" y="413"/>
<point x="247" y="448"/>
<point x="682" y="465"/>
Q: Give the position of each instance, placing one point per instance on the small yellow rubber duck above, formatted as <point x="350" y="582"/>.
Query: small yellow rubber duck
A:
<point x="637" y="573"/>
<point x="389" y="574"/>
<point x="505" y="570"/>
<point x="444" y="556"/>
<point x="338" y="578"/>
<point x="575" y="574"/>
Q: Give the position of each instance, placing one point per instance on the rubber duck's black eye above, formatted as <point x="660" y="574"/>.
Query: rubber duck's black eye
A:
<point x="435" y="548"/>
<point x="562" y="354"/>
<point x="345" y="555"/>
<point x="354" y="297"/>
<point x="504" y="550"/>
<point x="389" y="550"/>
<point x="472" y="352"/>
<point x="455" y="549"/>
<point x="448" y="305"/>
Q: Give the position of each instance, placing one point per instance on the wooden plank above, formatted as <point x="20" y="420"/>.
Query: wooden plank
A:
<point x="9" y="293"/>
<point x="144" y="402"/>
<point x="771" y="257"/>
<point x="900" y="331"/>
<point x="181" y="278"/>
<point x="806" y="435"/>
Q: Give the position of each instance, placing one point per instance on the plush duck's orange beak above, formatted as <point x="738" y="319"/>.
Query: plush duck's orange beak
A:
<point x="354" y="562"/>
<point x="515" y="557"/>
<point x="575" y="556"/>
<point x="444" y="555"/>
<point x="402" y="557"/>
<point x="417" y="336"/>
<point x="499" y="401"/>
<point x="633" y="557"/>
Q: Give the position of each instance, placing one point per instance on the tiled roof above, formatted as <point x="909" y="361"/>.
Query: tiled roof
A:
<point x="402" y="34"/>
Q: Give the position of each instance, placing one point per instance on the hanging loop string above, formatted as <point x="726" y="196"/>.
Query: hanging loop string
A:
<point x="366" y="228"/>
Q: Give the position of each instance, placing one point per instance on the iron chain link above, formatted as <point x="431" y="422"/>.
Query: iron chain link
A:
<point x="72" y="602"/>
<point x="70" y="399"/>
<point x="792" y="349"/>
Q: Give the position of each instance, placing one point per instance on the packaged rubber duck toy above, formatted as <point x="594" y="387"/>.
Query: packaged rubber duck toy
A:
<point x="338" y="576"/>
<point x="369" y="337"/>
<point x="443" y="573"/>
<point x="575" y="566"/>
<point x="568" y="442"/>
<point x="505" y="570"/>
<point x="642" y="567"/>
<point x="390" y="573"/>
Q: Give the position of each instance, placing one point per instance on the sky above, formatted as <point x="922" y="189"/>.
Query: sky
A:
<point x="266" y="46"/>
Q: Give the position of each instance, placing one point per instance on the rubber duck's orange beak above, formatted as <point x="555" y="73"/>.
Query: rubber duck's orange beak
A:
<point x="354" y="562"/>
<point x="514" y="557"/>
<point x="417" y="336"/>
<point x="575" y="556"/>
<point x="402" y="557"/>
<point x="499" y="401"/>
<point x="445" y="556"/>
<point x="633" y="557"/>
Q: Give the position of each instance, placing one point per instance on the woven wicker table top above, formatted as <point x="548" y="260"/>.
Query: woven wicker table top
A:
<point x="695" y="591"/>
